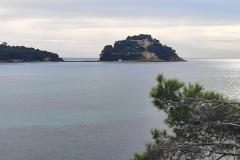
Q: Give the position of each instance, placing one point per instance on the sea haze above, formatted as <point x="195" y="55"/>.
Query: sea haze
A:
<point x="92" y="110"/>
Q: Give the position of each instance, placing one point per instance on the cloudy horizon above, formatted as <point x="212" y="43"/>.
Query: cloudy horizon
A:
<point x="80" y="28"/>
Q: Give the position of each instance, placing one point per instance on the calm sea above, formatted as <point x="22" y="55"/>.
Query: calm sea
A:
<point x="92" y="111"/>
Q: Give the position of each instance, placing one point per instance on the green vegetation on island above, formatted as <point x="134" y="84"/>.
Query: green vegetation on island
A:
<point x="139" y="48"/>
<point x="205" y="124"/>
<point x="24" y="54"/>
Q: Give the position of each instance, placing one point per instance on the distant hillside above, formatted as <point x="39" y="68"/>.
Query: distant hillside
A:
<point x="139" y="48"/>
<point x="24" y="54"/>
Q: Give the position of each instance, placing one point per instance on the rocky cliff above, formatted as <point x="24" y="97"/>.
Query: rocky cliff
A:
<point x="139" y="48"/>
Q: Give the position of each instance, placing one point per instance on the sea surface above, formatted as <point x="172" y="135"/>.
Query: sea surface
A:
<point x="92" y="110"/>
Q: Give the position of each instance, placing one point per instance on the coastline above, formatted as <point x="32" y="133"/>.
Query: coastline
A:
<point x="130" y="61"/>
<point x="121" y="61"/>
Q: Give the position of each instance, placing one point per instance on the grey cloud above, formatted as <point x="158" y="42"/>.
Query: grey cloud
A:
<point x="56" y="40"/>
<point x="225" y="40"/>
<point x="220" y="40"/>
<point x="221" y="11"/>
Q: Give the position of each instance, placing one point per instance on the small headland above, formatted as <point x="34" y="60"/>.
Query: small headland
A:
<point x="24" y="54"/>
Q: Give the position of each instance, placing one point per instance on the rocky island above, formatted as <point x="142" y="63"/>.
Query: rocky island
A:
<point x="24" y="54"/>
<point x="141" y="48"/>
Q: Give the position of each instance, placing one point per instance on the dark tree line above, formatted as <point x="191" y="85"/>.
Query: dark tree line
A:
<point x="140" y="37"/>
<point x="10" y="53"/>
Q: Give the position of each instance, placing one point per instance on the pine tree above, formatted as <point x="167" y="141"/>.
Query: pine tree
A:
<point x="204" y="124"/>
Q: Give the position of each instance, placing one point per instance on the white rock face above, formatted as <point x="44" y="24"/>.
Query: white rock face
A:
<point x="143" y="43"/>
<point x="147" y="55"/>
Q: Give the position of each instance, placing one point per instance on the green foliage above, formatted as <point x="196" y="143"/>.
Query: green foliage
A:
<point x="138" y="156"/>
<point x="9" y="53"/>
<point x="175" y="98"/>
<point x="198" y="120"/>
<point x="165" y="89"/>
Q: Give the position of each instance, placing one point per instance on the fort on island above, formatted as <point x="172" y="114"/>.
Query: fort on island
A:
<point x="142" y="48"/>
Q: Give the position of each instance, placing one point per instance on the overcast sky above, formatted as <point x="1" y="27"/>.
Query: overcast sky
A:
<point x="81" y="28"/>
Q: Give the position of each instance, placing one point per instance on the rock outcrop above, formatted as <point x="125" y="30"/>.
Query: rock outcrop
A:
<point x="139" y="48"/>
